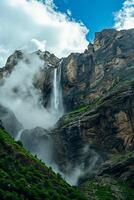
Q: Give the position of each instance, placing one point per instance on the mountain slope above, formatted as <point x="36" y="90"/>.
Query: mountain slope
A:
<point x="23" y="176"/>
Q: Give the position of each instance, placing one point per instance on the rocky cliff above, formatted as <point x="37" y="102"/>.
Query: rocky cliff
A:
<point x="98" y="90"/>
<point x="9" y="121"/>
<point x="106" y="63"/>
<point x="98" y="97"/>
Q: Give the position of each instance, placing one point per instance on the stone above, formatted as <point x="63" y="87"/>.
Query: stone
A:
<point x="9" y="121"/>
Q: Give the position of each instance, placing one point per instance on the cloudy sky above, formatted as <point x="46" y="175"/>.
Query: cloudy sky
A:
<point x="95" y="14"/>
<point x="60" y="26"/>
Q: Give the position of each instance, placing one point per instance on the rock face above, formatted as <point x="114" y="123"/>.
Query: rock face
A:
<point x="98" y="96"/>
<point x="9" y="121"/>
<point x="106" y="63"/>
<point x="44" y="78"/>
<point x="114" y="180"/>
<point x="106" y="129"/>
<point x="119" y="167"/>
<point x="76" y="78"/>
<point x="12" y="61"/>
<point x="98" y="87"/>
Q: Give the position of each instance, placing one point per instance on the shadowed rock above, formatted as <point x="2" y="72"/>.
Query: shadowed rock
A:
<point x="9" y="121"/>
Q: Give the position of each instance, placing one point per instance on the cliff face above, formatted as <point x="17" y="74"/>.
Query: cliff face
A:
<point x="9" y="121"/>
<point x="106" y="128"/>
<point x="77" y="72"/>
<point x="113" y="181"/>
<point x="106" y="63"/>
<point x="98" y="89"/>
<point x="98" y="97"/>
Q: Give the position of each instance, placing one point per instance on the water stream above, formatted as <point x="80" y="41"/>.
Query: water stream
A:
<point x="56" y="97"/>
<point x="18" y="137"/>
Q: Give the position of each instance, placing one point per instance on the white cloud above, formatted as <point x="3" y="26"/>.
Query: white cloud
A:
<point x="69" y="12"/>
<point x="25" y="22"/>
<point x="124" y="18"/>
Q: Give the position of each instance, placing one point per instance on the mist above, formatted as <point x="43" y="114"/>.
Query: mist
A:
<point x="83" y="169"/>
<point x="19" y="95"/>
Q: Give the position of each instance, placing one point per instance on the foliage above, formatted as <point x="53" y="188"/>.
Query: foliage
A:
<point x="108" y="188"/>
<point x="24" y="177"/>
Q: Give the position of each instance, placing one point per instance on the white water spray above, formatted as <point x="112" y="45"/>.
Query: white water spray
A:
<point x="55" y="86"/>
<point x="56" y="98"/>
<point x="18" y="137"/>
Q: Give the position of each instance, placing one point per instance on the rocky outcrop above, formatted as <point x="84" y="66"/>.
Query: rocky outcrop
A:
<point x="120" y="166"/>
<point x="105" y="127"/>
<point x="114" y="180"/>
<point x="12" y="61"/>
<point x="44" y="79"/>
<point x="76" y="77"/>
<point x="106" y="63"/>
<point x="9" y="121"/>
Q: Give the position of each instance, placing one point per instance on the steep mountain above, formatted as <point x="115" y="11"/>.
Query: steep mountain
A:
<point x="98" y="88"/>
<point x="106" y="63"/>
<point x="93" y="142"/>
<point x="9" y="121"/>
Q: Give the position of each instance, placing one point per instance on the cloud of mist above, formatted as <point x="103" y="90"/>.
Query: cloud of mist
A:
<point x="19" y="95"/>
<point x="124" y="18"/>
<point x="32" y="25"/>
<point x="84" y="169"/>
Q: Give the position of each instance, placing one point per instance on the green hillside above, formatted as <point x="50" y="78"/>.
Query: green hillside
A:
<point x="24" y="177"/>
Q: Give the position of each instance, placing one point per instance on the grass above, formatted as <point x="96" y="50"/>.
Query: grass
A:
<point x="24" y="177"/>
<point x="108" y="188"/>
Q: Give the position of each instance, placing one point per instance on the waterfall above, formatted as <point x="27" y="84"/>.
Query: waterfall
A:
<point x="18" y="137"/>
<point x="56" y="98"/>
<point x="56" y="89"/>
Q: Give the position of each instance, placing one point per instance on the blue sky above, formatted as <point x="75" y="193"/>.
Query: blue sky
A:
<point x="95" y="14"/>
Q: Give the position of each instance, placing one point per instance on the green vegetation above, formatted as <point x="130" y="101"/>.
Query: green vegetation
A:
<point x="81" y="110"/>
<point x="24" y="177"/>
<point x="103" y="100"/>
<point x="108" y="185"/>
<point x="107" y="188"/>
<point x="115" y="158"/>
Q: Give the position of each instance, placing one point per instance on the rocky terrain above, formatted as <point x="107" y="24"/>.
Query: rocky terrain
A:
<point x="114" y="180"/>
<point x="9" y="121"/>
<point x="96" y="132"/>
<point x="102" y="111"/>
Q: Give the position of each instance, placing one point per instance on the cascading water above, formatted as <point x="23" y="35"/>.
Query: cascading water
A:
<point x="56" y="91"/>
<point x="18" y="137"/>
<point x="56" y="98"/>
